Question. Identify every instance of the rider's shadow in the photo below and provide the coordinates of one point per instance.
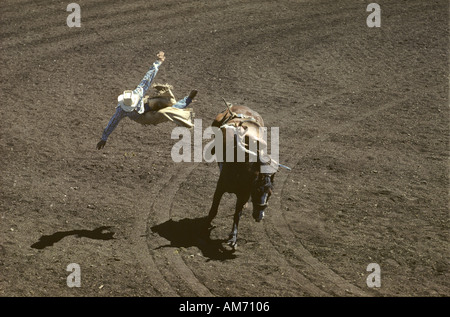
(96, 234)
(192, 233)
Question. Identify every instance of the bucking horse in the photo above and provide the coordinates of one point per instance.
(246, 178)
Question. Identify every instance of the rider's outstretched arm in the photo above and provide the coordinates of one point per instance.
(145, 83)
(113, 122)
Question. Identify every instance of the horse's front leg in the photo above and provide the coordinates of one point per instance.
(215, 204)
(232, 241)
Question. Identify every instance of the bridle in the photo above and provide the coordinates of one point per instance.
(264, 188)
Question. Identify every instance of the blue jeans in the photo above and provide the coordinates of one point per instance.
(183, 103)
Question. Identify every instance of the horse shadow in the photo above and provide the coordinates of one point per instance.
(193, 233)
(96, 234)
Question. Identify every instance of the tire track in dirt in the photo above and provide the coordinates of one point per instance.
(143, 252)
(160, 212)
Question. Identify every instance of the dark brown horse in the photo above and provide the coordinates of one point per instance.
(240, 127)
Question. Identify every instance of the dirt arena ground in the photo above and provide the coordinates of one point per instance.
(363, 116)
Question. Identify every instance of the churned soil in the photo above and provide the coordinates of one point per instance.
(363, 118)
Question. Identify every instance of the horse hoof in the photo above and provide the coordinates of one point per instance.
(232, 243)
(258, 216)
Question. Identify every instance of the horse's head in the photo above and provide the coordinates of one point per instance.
(263, 185)
(261, 192)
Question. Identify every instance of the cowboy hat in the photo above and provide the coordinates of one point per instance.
(128, 100)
